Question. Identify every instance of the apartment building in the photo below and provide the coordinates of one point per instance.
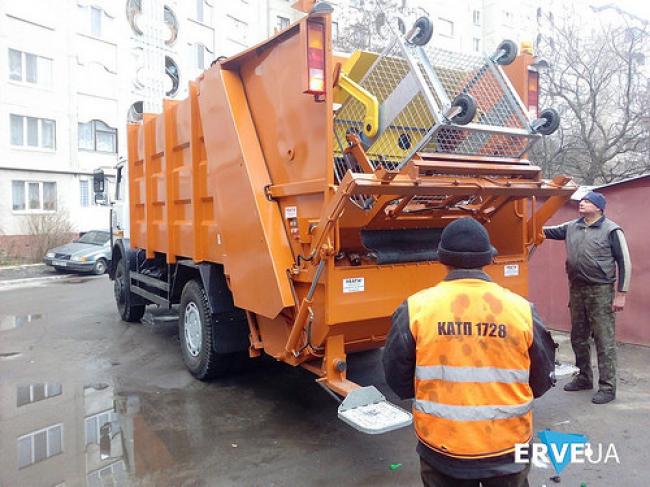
(73, 72)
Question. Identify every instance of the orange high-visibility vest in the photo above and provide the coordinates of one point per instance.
(472, 397)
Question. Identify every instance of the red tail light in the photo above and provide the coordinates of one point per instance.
(533, 93)
(315, 58)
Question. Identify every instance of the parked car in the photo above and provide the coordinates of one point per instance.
(89, 253)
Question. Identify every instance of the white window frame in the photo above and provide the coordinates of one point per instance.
(48, 454)
(41, 80)
(476, 44)
(41, 185)
(200, 11)
(97, 473)
(280, 20)
(89, 193)
(112, 416)
(39, 146)
(46, 391)
(94, 129)
(476, 17)
(91, 9)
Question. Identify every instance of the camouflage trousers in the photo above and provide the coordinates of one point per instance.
(592, 315)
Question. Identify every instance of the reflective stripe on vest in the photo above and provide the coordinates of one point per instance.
(472, 396)
(471, 413)
(471, 374)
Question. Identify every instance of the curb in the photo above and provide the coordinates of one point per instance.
(21, 266)
(29, 281)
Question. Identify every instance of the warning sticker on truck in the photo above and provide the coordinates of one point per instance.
(291, 212)
(510, 270)
(354, 284)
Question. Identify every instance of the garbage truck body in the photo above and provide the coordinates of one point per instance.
(296, 198)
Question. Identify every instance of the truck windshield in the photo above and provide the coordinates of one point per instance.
(95, 238)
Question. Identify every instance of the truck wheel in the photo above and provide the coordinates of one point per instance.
(100, 267)
(195, 334)
(121, 289)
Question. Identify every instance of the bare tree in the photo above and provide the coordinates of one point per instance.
(366, 24)
(47, 230)
(596, 80)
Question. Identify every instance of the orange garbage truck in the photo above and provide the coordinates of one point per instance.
(296, 197)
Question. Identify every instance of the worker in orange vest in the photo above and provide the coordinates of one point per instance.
(473, 355)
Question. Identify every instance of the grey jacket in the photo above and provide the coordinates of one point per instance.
(594, 251)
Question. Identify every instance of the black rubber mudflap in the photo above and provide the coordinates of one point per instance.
(405, 245)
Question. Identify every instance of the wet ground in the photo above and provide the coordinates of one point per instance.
(86, 399)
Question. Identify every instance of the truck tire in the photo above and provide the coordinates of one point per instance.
(195, 335)
(121, 289)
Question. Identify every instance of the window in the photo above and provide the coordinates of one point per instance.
(94, 424)
(84, 195)
(97, 136)
(32, 132)
(30, 393)
(446, 27)
(281, 23)
(335, 31)
(33, 196)
(30, 68)
(39, 445)
(113, 474)
(96, 21)
(200, 10)
(200, 56)
(476, 17)
(476, 44)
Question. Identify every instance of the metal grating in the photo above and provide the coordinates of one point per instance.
(415, 87)
(405, 117)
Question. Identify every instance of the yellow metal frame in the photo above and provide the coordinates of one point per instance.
(369, 101)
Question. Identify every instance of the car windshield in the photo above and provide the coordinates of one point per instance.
(94, 238)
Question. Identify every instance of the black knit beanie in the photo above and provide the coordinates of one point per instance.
(465, 243)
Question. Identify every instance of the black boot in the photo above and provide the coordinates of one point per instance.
(603, 397)
(578, 384)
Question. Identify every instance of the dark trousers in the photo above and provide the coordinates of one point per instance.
(434, 478)
(591, 314)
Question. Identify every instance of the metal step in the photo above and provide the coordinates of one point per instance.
(367, 410)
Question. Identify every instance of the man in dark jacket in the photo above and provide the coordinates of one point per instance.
(595, 247)
(473, 355)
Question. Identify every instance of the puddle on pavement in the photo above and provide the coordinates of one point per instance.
(9, 322)
(103, 438)
(158, 437)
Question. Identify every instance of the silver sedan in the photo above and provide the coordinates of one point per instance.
(89, 253)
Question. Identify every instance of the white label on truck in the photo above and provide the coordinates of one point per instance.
(510, 270)
(291, 212)
(354, 284)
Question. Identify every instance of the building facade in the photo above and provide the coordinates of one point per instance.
(70, 81)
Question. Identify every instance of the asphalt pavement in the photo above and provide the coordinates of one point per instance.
(87, 399)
